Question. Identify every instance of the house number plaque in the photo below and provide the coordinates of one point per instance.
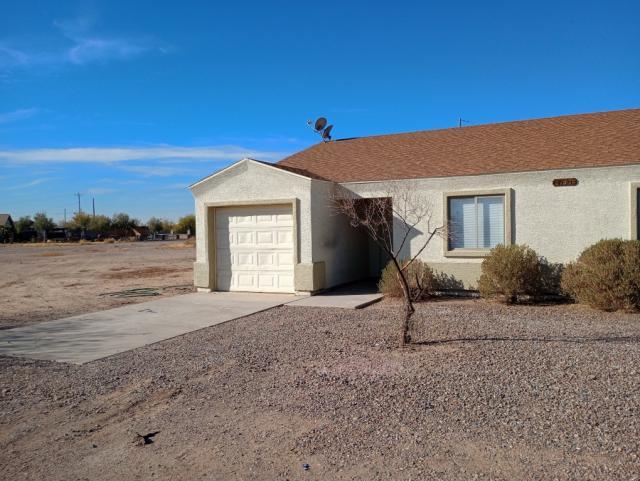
(570, 182)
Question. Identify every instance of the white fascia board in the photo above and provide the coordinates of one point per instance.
(245, 160)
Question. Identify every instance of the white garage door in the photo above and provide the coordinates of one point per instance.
(254, 248)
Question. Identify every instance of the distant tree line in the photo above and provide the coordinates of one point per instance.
(185, 225)
(102, 224)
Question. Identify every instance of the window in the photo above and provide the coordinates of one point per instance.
(476, 222)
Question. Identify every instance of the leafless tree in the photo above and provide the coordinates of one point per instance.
(401, 206)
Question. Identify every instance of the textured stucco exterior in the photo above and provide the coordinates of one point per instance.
(558, 222)
(248, 183)
(343, 249)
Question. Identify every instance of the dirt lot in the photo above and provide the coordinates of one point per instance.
(49, 281)
(506, 393)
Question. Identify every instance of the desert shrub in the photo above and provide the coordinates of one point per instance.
(448, 282)
(606, 276)
(510, 271)
(550, 277)
(420, 277)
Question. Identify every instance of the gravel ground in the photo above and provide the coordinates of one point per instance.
(40, 282)
(527, 392)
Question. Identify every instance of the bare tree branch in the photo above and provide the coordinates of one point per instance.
(404, 206)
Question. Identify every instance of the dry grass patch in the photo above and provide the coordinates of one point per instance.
(51, 254)
(188, 244)
(144, 272)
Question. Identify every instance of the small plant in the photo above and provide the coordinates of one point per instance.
(606, 276)
(420, 277)
(510, 271)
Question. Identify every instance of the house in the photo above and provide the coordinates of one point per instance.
(557, 184)
(7, 228)
(141, 232)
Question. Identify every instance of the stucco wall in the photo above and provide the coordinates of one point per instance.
(245, 183)
(343, 249)
(558, 222)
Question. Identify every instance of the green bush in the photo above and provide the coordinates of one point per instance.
(606, 276)
(420, 277)
(510, 271)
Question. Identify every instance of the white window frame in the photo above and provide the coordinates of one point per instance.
(634, 219)
(465, 252)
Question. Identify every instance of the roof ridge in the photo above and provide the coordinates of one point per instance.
(468, 127)
(610, 138)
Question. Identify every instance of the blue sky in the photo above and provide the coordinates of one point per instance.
(129, 102)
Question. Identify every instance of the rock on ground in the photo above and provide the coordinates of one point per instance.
(489, 392)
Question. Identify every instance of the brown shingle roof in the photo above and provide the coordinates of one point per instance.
(4, 219)
(573, 141)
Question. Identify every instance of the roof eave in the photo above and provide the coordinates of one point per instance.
(236, 164)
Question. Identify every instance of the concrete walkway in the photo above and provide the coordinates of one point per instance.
(88, 337)
(350, 296)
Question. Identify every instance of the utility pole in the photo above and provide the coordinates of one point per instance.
(462, 121)
(79, 207)
(65, 217)
(93, 201)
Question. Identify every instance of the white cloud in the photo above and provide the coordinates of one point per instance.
(84, 51)
(156, 171)
(110, 155)
(16, 115)
(85, 47)
(32, 183)
(10, 55)
(89, 50)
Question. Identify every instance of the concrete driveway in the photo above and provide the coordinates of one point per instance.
(88, 337)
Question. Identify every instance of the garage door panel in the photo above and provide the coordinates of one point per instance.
(265, 219)
(265, 238)
(246, 238)
(266, 260)
(245, 260)
(254, 250)
(284, 238)
(240, 220)
(285, 282)
(246, 281)
(267, 281)
(285, 220)
(285, 259)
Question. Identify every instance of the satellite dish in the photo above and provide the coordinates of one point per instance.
(321, 123)
(326, 133)
(321, 128)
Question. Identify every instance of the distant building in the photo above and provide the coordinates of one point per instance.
(7, 228)
(141, 233)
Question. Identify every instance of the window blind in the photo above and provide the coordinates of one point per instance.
(464, 232)
(476, 222)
